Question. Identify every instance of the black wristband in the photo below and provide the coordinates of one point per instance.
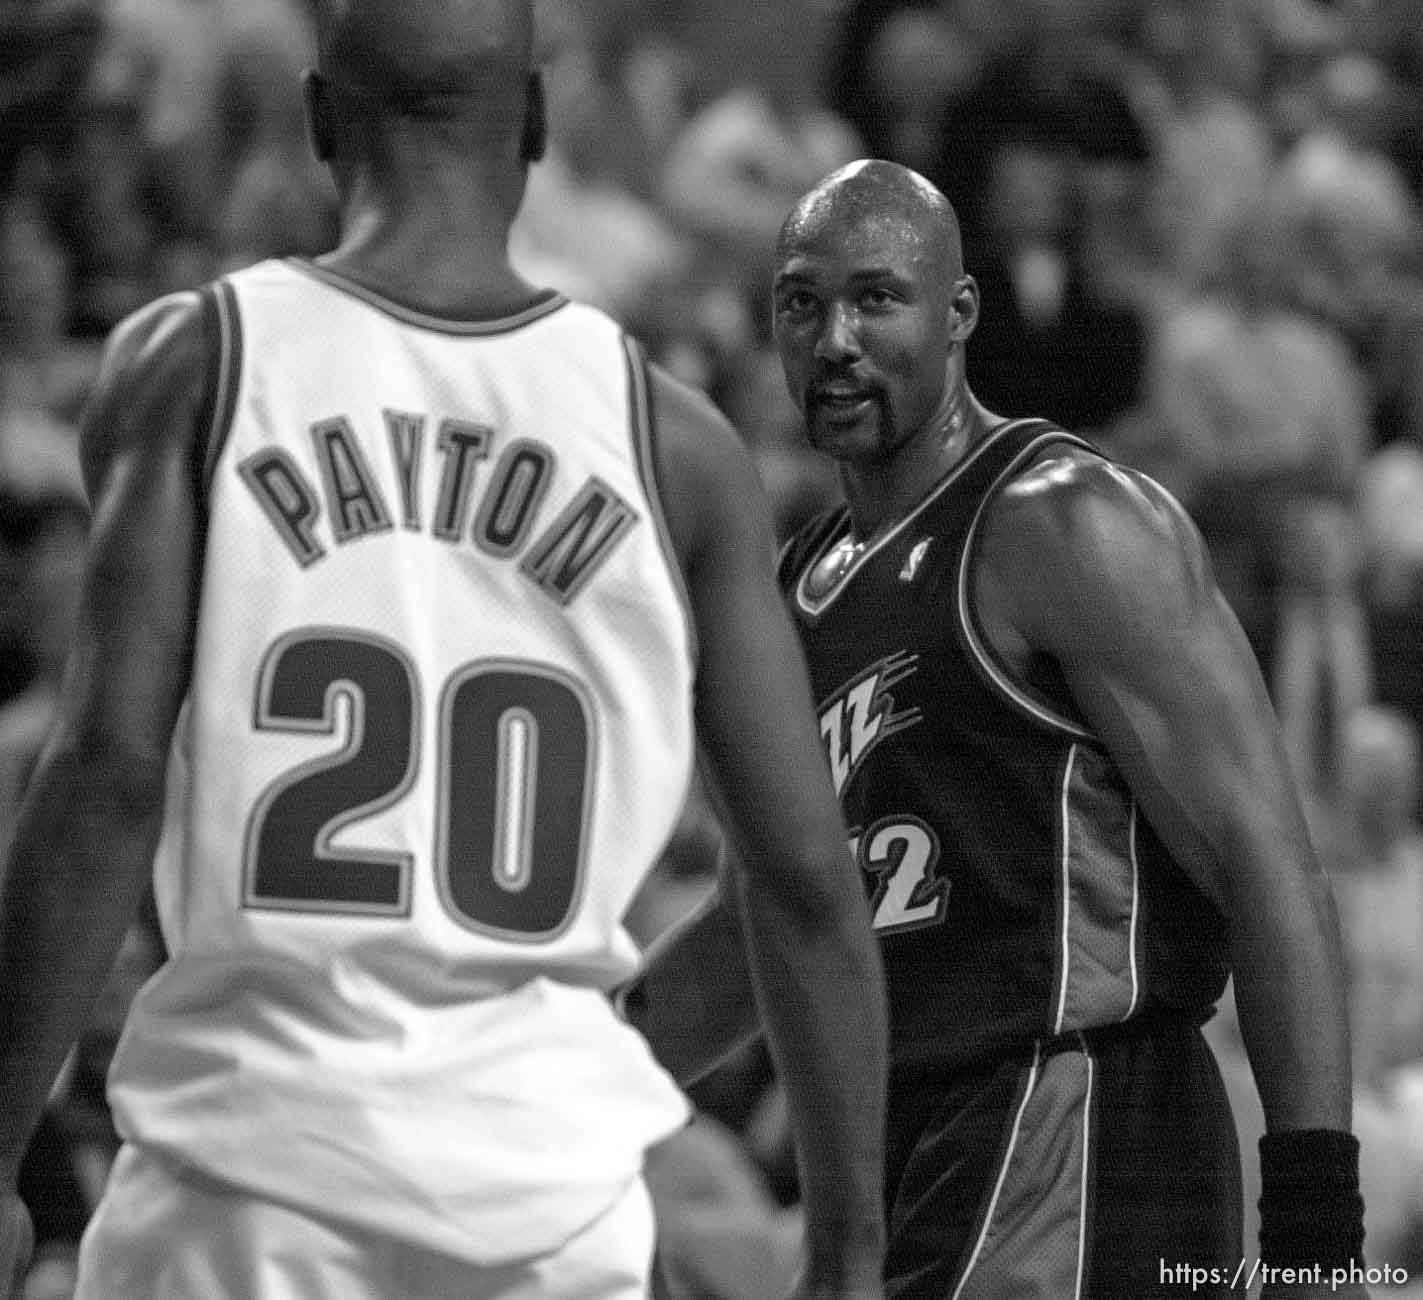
(1311, 1211)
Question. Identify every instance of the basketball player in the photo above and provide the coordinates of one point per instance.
(412, 592)
(1068, 798)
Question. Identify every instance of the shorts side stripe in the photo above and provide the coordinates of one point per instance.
(1002, 1176)
(1086, 1167)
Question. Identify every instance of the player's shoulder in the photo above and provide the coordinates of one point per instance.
(151, 377)
(1071, 491)
(700, 453)
(1074, 522)
(163, 334)
(710, 489)
(686, 415)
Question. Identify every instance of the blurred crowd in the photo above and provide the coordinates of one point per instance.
(1196, 225)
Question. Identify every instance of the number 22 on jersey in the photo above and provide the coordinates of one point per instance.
(902, 853)
(514, 749)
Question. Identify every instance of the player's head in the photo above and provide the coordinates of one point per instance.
(871, 306)
(456, 71)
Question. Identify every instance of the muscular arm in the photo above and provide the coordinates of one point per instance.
(87, 832)
(1100, 569)
(814, 965)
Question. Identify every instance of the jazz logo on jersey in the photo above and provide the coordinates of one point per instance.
(861, 714)
(559, 560)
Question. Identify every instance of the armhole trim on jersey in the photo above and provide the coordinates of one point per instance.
(222, 328)
(643, 421)
(1015, 693)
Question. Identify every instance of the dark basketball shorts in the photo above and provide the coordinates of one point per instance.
(1083, 1169)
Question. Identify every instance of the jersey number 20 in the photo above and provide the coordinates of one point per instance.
(514, 750)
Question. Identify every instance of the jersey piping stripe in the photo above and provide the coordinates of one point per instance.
(214, 356)
(1002, 1178)
(644, 456)
(1135, 912)
(1086, 1166)
(1065, 877)
(1015, 694)
(818, 607)
(228, 379)
(1097, 896)
(544, 303)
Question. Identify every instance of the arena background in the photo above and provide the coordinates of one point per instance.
(1196, 224)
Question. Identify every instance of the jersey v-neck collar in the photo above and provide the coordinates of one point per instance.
(817, 605)
(539, 304)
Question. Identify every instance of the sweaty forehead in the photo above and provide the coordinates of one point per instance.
(863, 238)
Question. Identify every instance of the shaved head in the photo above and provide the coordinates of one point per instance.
(871, 311)
(422, 55)
(885, 201)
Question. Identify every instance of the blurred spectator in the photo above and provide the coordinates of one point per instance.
(1376, 868)
(740, 162)
(42, 505)
(1196, 224)
(104, 210)
(1038, 143)
(1353, 227)
(191, 154)
(1257, 418)
(1391, 528)
(589, 225)
(46, 47)
(42, 528)
(1392, 32)
(1047, 339)
(276, 200)
(721, 1235)
(896, 65)
(1374, 851)
(1024, 118)
(1053, 84)
(1193, 65)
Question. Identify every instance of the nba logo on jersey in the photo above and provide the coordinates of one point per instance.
(915, 558)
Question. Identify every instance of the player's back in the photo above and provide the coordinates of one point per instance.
(440, 727)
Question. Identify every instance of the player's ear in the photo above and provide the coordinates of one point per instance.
(535, 138)
(316, 102)
(963, 308)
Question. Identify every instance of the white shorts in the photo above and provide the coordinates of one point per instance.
(161, 1233)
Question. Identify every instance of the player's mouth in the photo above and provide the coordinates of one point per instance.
(842, 402)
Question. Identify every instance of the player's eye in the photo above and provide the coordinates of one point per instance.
(798, 303)
(877, 299)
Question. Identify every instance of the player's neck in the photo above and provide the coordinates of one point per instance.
(881, 494)
(446, 260)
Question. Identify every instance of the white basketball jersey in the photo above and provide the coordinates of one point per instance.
(439, 728)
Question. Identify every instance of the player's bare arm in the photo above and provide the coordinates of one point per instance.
(1104, 573)
(1111, 580)
(813, 961)
(81, 855)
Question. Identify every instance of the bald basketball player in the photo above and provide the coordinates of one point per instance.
(1071, 809)
(412, 592)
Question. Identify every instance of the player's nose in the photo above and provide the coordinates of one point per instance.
(839, 338)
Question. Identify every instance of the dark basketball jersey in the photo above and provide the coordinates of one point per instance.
(1018, 891)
